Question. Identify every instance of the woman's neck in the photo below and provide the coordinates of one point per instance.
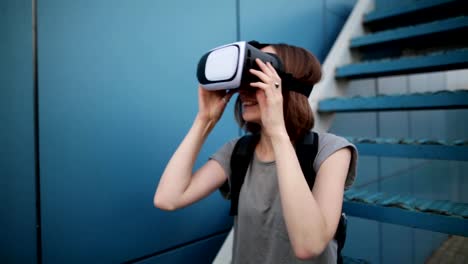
(264, 149)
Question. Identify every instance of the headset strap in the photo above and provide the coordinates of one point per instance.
(288, 80)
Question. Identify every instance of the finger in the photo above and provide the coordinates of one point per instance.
(269, 87)
(228, 96)
(260, 85)
(261, 99)
(264, 87)
(275, 79)
(263, 67)
(273, 70)
(261, 75)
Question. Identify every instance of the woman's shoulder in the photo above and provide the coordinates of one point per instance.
(329, 143)
(227, 148)
(232, 142)
(326, 138)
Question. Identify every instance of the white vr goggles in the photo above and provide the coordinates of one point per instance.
(227, 67)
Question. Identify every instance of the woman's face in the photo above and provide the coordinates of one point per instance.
(250, 107)
(247, 95)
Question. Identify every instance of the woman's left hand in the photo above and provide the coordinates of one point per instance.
(270, 99)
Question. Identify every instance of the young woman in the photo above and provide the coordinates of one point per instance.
(280, 219)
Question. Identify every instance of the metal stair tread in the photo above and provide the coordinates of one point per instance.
(432, 149)
(446, 60)
(457, 99)
(349, 260)
(442, 207)
(408, 141)
(435, 215)
(410, 31)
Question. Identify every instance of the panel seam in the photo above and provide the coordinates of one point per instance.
(160, 252)
(36, 133)
(238, 33)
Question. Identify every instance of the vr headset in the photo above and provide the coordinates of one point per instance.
(227, 67)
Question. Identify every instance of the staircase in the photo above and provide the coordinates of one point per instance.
(421, 36)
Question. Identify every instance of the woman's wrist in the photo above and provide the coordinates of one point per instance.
(279, 137)
(205, 124)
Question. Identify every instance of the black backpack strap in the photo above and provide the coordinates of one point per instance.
(241, 157)
(306, 151)
(340, 236)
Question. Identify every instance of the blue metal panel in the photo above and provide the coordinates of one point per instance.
(439, 61)
(425, 244)
(433, 180)
(428, 221)
(414, 151)
(334, 20)
(412, 32)
(396, 239)
(425, 101)
(203, 251)
(117, 94)
(17, 164)
(300, 24)
(362, 239)
(341, 8)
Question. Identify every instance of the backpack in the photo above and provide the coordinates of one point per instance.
(306, 150)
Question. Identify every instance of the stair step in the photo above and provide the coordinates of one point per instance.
(449, 60)
(437, 30)
(412, 148)
(414, 13)
(434, 215)
(417, 101)
(349, 260)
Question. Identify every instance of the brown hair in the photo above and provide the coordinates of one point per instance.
(298, 115)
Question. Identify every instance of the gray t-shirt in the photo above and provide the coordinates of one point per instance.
(260, 234)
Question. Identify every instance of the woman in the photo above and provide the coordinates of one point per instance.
(280, 219)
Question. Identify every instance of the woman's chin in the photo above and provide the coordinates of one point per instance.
(251, 118)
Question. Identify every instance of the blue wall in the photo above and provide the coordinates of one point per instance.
(313, 25)
(17, 177)
(117, 93)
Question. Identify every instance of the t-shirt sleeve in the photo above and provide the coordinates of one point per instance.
(223, 157)
(329, 144)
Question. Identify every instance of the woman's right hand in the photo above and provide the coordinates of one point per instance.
(211, 104)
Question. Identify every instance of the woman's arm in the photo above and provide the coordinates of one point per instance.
(311, 217)
(178, 187)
